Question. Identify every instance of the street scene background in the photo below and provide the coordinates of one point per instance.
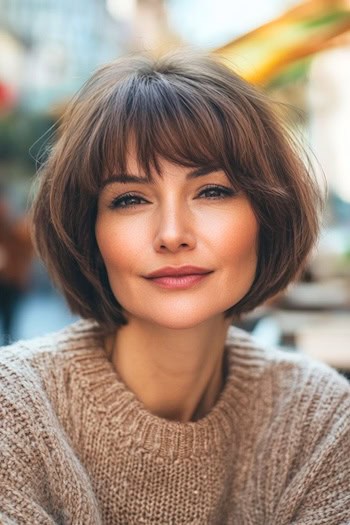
(299, 52)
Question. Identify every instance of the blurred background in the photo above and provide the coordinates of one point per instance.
(299, 52)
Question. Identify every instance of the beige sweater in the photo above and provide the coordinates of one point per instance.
(77, 447)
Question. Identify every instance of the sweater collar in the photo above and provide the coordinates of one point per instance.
(220, 428)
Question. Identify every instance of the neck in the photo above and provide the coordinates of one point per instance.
(176, 374)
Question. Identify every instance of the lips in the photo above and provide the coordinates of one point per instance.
(173, 271)
(180, 278)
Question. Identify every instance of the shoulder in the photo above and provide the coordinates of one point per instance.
(33, 380)
(32, 370)
(284, 365)
(37, 353)
(297, 431)
(39, 469)
(293, 383)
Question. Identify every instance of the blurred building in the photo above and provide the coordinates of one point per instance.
(289, 47)
(61, 43)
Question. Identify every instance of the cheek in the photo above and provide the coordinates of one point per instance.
(244, 247)
(119, 246)
(237, 241)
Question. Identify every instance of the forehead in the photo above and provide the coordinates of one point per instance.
(168, 169)
(162, 127)
(135, 166)
(161, 166)
(149, 125)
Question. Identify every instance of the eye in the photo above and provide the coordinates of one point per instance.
(217, 192)
(128, 200)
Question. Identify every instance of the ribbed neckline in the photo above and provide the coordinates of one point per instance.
(94, 373)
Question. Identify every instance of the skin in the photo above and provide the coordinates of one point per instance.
(171, 353)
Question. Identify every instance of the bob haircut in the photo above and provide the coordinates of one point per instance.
(191, 110)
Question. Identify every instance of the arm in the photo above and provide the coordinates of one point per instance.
(320, 491)
(41, 479)
(22, 471)
(20, 509)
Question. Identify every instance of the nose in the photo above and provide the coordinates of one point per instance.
(174, 229)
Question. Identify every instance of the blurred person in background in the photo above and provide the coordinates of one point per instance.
(172, 203)
(15, 264)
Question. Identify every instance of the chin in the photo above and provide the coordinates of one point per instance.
(179, 324)
(175, 320)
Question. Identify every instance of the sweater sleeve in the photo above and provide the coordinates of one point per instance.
(41, 479)
(319, 492)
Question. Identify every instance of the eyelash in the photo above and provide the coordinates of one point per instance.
(225, 193)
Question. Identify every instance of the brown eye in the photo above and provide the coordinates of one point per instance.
(128, 200)
(216, 192)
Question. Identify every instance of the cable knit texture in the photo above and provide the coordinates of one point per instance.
(77, 447)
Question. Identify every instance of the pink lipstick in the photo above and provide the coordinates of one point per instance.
(181, 277)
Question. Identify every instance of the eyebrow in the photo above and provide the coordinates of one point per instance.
(125, 178)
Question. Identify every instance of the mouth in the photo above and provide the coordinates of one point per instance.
(178, 277)
(180, 271)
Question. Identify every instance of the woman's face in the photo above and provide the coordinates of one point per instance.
(184, 218)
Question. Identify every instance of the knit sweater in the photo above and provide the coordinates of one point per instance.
(78, 447)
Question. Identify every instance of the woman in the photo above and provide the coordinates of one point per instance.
(172, 203)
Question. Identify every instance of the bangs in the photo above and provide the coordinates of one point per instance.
(161, 117)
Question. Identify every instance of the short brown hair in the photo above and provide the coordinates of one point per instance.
(191, 110)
